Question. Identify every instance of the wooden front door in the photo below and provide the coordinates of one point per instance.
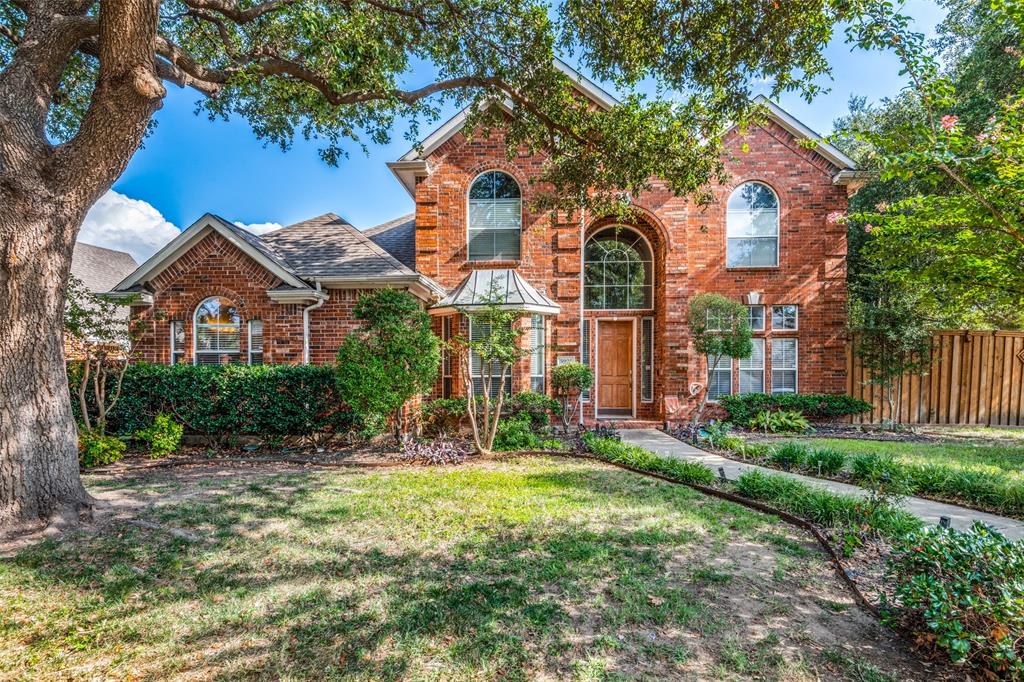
(615, 367)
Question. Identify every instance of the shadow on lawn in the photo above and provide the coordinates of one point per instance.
(300, 577)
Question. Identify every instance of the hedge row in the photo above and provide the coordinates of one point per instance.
(229, 400)
(744, 407)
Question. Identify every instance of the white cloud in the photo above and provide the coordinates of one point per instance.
(259, 228)
(126, 224)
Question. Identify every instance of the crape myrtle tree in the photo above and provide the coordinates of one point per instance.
(719, 329)
(80, 81)
(391, 358)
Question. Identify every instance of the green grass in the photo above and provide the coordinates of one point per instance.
(1008, 459)
(504, 571)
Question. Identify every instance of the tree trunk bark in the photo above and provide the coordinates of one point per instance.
(39, 477)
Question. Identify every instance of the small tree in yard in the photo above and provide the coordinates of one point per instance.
(492, 353)
(393, 357)
(100, 333)
(719, 328)
(569, 381)
(892, 339)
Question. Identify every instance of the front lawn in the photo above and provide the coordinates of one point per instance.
(526, 569)
(1008, 458)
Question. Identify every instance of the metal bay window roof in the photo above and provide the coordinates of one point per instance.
(510, 290)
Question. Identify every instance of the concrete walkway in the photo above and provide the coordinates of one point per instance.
(927, 510)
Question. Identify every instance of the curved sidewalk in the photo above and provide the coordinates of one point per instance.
(926, 510)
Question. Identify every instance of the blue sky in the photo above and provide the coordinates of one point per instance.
(191, 165)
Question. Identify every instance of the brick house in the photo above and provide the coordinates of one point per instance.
(610, 294)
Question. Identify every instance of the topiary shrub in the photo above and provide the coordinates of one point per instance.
(163, 436)
(569, 381)
(962, 593)
(96, 449)
(745, 406)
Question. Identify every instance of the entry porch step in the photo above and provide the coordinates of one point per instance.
(624, 423)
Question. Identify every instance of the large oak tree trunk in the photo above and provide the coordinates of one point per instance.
(45, 192)
(38, 444)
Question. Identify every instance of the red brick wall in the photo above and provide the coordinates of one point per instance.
(215, 267)
(689, 252)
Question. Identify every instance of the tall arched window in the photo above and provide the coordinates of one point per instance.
(752, 227)
(495, 217)
(618, 271)
(218, 330)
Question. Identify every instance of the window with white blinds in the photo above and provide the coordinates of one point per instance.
(446, 357)
(495, 217)
(255, 342)
(177, 341)
(647, 360)
(784, 365)
(719, 377)
(478, 332)
(752, 227)
(752, 369)
(537, 349)
(218, 331)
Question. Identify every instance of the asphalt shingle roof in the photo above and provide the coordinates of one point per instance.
(328, 246)
(100, 269)
(397, 237)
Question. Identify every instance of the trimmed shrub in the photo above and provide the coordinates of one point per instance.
(223, 401)
(638, 458)
(830, 461)
(163, 436)
(790, 455)
(962, 592)
(744, 407)
(95, 449)
(443, 416)
(536, 407)
(516, 433)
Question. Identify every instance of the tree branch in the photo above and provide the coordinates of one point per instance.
(231, 10)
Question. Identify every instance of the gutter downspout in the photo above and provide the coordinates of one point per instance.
(305, 325)
(583, 320)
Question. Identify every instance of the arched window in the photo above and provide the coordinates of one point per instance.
(218, 330)
(752, 227)
(495, 217)
(618, 270)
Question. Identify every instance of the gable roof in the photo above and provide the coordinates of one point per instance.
(325, 249)
(412, 164)
(397, 237)
(100, 268)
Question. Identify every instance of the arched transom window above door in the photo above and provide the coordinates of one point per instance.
(752, 227)
(618, 271)
(495, 217)
(218, 329)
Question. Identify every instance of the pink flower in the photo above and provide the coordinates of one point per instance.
(949, 122)
(869, 228)
(882, 206)
(982, 137)
(835, 217)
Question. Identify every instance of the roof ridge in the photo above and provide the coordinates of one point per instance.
(394, 222)
(379, 250)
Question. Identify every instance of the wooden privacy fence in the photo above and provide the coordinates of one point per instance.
(973, 378)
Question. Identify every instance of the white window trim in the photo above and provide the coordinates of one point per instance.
(654, 271)
(585, 353)
(644, 370)
(720, 369)
(446, 357)
(764, 320)
(796, 317)
(534, 354)
(248, 341)
(174, 343)
(778, 229)
(795, 369)
(469, 189)
(195, 332)
(764, 363)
